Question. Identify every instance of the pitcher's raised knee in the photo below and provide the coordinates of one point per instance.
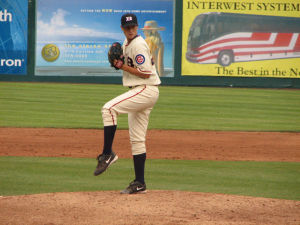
(109, 116)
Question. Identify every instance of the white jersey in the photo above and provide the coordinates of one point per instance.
(137, 55)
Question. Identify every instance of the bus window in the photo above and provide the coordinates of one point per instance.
(195, 34)
(211, 25)
(209, 29)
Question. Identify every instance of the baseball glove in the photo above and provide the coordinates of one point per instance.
(115, 55)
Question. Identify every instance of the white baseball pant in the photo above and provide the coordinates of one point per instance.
(138, 103)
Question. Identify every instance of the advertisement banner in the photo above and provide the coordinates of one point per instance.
(249, 38)
(13, 36)
(73, 37)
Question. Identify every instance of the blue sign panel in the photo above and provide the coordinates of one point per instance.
(13, 36)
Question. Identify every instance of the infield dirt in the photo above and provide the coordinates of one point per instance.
(155, 207)
(161, 144)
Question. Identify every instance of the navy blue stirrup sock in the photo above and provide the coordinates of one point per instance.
(109, 134)
(139, 167)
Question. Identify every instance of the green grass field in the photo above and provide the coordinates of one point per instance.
(27, 175)
(197, 108)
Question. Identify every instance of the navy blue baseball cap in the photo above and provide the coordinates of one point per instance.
(129, 19)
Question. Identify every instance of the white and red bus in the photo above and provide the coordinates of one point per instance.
(225, 38)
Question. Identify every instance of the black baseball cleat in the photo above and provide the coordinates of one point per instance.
(104, 161)
(135, 187)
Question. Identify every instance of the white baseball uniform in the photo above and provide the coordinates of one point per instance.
(140, 99)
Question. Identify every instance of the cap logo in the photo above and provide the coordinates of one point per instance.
(128, 18)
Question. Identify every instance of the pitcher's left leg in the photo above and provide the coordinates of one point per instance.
(138, 123)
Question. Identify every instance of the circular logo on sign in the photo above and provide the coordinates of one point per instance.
(50, 52)
(140, 59)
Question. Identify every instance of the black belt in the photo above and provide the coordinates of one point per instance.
(130, 87)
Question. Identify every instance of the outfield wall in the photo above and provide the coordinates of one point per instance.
(82, 58)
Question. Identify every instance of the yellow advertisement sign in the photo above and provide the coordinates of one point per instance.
(249, 38)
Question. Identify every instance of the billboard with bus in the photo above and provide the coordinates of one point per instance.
(236, 43)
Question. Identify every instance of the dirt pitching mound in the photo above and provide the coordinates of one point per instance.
(155, 207)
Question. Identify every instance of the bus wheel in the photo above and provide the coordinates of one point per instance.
(225, 58)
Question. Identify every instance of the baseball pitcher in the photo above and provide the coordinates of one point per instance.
(140, 76)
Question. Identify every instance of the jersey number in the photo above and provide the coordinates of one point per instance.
(130, 62)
